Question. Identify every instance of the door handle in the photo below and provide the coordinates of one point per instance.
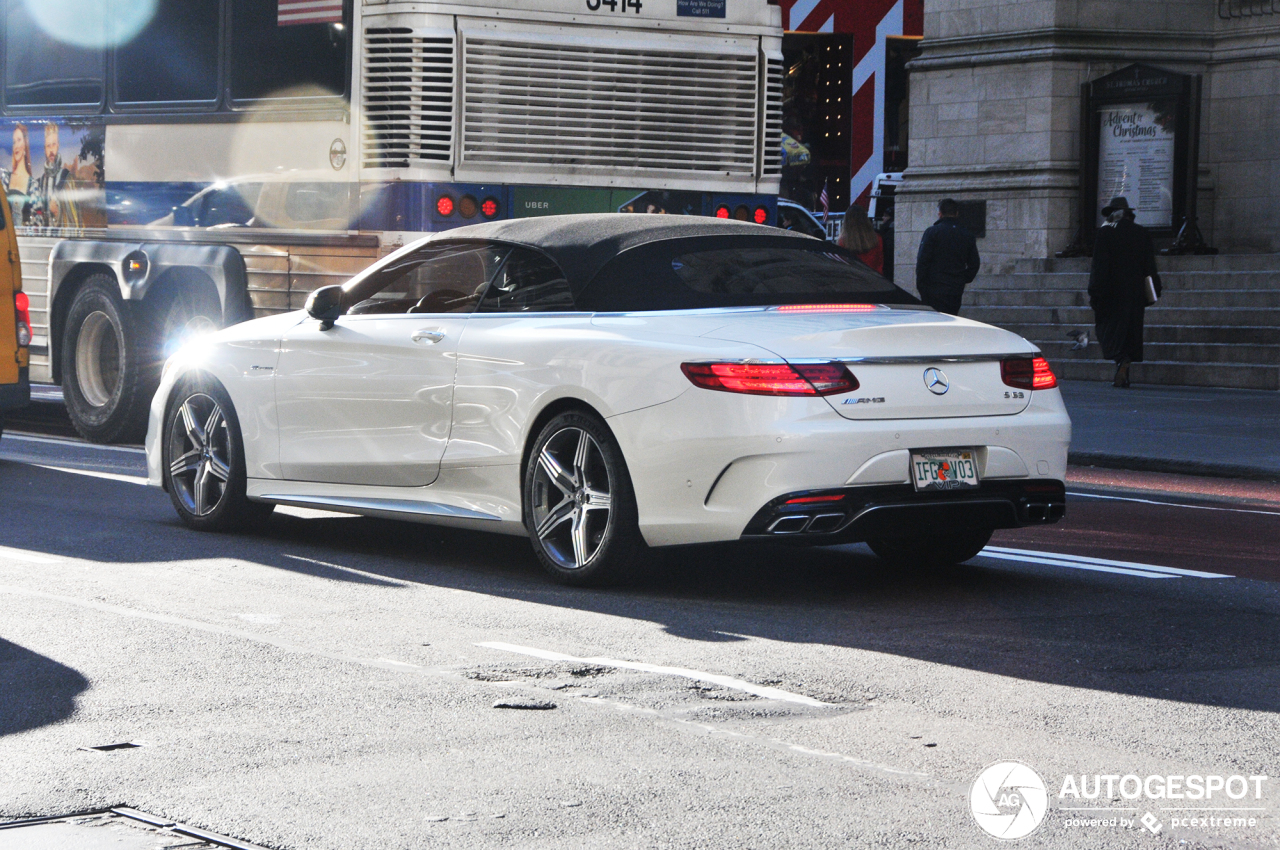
(427, 335)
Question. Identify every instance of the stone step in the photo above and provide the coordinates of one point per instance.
(1171, 298)
(1267, 281)
(1081, 316)
(1171, 352)
(1232, 375)
(1219, 262)
(1195, 334)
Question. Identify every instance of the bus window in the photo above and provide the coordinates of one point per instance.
(40, 70)
(174, 59)
(319, 204)
(270, 60)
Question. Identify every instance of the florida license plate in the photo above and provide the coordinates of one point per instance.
(944, 470)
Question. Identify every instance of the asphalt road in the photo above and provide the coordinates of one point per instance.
(331, 682)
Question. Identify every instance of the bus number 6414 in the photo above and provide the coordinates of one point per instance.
(614, 5)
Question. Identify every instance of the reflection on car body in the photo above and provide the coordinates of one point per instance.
(608, 383)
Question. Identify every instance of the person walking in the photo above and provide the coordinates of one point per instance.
(1123, 259)
(947, 261)
(859, 238)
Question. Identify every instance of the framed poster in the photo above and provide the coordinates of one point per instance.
(1141, 127)
(1136, 159)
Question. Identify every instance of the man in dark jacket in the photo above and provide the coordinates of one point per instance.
(947, 262)
(1123, 258)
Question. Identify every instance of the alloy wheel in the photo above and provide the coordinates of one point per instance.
(572, 506)
(199, 454)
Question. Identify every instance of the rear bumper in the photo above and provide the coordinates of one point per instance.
(13, 396)
(855, 514)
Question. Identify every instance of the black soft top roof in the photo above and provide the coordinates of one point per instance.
(581, 244)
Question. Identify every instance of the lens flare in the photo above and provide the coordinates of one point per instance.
(92, 23)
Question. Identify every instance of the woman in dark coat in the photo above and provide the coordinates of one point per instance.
(1123, 258)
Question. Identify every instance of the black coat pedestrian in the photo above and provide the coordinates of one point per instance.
(1123, 258)
(948, 261)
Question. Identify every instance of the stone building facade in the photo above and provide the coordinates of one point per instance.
(996, 112)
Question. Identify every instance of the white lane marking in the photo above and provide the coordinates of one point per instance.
(697, 675)
(1100, 564)
(1171, 504)
(66, 441)
(24, 555)
(1029, 559)
(346, 569)
(110, 476)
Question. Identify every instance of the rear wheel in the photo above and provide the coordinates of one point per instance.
(931, 550)
(579, 507)
(203, 457)
(106, 379)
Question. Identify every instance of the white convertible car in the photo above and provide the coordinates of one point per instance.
(604, 384)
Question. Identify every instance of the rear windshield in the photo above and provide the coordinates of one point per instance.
(734, 271)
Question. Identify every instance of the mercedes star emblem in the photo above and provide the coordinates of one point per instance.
(936, 381)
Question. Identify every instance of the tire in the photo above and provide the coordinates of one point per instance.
(202, 454)
(579, 506)
(931, 550)
(108, 369)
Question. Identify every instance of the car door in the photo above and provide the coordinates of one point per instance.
(369, 401)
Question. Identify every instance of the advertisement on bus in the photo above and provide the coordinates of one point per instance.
(53, 174)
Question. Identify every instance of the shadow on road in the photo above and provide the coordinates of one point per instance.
(1196, 641)
(34, 691)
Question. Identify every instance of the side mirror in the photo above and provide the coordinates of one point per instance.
(184, 217)
(325, 304)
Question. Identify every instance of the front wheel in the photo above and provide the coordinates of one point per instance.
(579, 507)
(931, 550)
(203, 457)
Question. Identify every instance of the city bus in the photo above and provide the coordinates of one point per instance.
(174, 166)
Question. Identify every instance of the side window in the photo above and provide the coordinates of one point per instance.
(448, 279)
(231, 206)
(528, 283)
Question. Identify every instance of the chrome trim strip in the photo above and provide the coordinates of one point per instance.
(944, 358)
(391, 506)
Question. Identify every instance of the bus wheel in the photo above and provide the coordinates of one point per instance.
(105, 374)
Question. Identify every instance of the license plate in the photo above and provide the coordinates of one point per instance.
(944, 470)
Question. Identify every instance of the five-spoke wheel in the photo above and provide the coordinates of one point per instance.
(579, 507)
(203, 459)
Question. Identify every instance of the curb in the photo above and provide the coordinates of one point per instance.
(1139, 463)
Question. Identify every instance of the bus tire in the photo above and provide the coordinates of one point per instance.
(107, 378)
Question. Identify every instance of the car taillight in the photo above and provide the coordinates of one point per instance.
(1028, 373)
(772, 378)
(22, 307)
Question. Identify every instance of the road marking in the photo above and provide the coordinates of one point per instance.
(697, 675)
(361, 573)
(1171, 504)
(67, 441)
(1102, 565)
(110, 476)
(24, 555)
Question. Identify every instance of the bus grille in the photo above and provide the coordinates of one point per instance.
(407, 97)
(773, 119)
(583, 106)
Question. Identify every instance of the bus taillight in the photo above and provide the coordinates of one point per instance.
(468, 206)
(761, 215)
(444, 205)
(489, 207)
(722, 212)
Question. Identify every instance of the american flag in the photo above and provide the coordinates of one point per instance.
(826, 203)
(290, 12)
